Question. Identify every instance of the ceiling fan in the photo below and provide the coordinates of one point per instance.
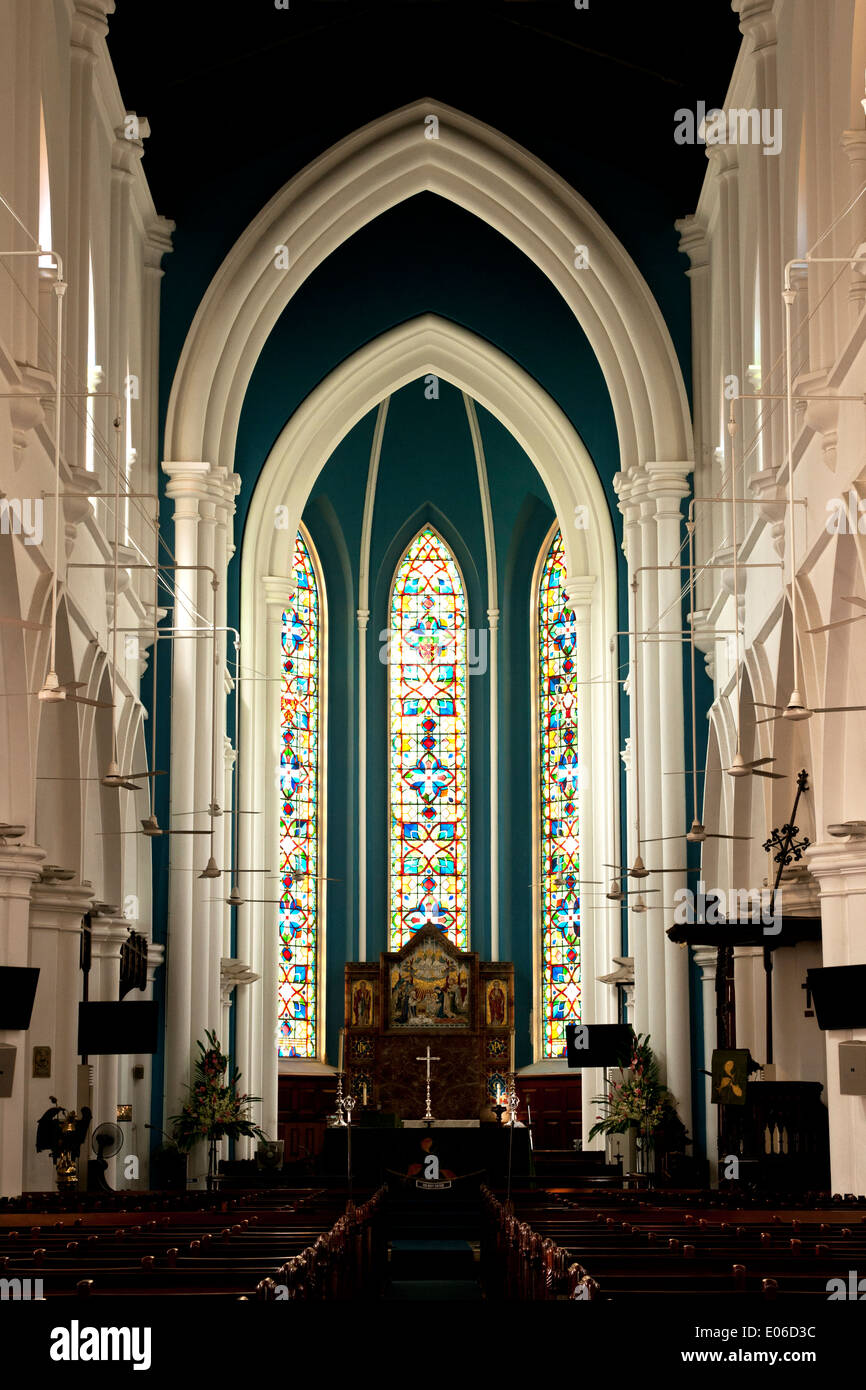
(53, 692)
(616, 893)
(113, 778)
(639, 869)
(697, 834)
(216, 810)
(25, 623)
(151, 828)
(235, 899)
(796, 710)
(843, 622)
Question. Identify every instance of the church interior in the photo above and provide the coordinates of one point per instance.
(431, 826)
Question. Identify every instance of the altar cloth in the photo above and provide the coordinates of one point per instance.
(442, 1124)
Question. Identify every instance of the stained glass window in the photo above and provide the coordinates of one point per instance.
(299, 813)
(428, 759)
(559, 829)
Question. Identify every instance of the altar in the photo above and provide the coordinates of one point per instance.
(428, 996)
(466, 1155)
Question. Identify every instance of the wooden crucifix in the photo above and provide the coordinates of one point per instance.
(428, 1059)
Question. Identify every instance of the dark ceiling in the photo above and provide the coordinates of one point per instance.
(224, 85)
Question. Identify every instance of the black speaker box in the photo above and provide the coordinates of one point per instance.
(839, 995)
(608, 1045)
(118, 1028)
(17, 992)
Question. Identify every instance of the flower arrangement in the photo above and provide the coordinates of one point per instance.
(214, 1110)
(640, 1100)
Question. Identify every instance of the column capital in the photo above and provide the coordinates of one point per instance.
(579, 590)
(157, 242)
(493, 619)
(187, 480)
(89, 25)
(693, 242)
(279, 590)
(757, 21)
(155, 958)
(59, 906)
(854, 144)
(107, 935)
(707, 958)
(722, 159)
(668, 480)
(834, 861)
(20, 867)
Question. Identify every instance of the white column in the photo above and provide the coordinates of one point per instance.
(758, 23)
(705, 957)
(186, 486)
(19, 868)
(668, 485)
(650, 715)
(140, 1139)
(87, 32)
(854, 145)
(107, 936)
(493, 622)
(750, 1000)
(363, 616)
(56, 912)
(156, 244)
(628, 488)
(840, 868)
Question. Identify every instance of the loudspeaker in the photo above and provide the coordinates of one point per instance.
(852, 1068)
(17, 992)
(112, 1029)
(7, 1069)
(839, 995)
(606, 1044)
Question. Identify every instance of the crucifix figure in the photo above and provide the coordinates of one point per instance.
(428, 1059)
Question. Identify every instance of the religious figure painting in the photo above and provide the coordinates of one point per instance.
(362, 1004)
(429, 989)
(497, 1004)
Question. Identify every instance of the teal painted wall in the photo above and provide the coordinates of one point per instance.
(425, 255)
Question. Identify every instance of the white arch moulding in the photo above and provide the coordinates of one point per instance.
(481, 170)
(421, 346)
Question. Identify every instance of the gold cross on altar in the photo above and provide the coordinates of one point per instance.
(428, 1059)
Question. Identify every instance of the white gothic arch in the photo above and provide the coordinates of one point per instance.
(481, 170)
(423, 345)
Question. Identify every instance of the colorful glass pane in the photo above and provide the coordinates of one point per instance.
(560, 839)
(428, 763)
(299, 818)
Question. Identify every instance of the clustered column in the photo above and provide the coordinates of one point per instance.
(654, 493)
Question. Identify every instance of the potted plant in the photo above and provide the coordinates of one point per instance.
(214, 1110)
(639, 1101)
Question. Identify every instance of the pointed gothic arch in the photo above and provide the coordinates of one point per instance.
(481, 170)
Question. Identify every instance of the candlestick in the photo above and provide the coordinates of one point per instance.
(340, 1104)
(511, 1055)
(340, 1061)
(364, 1094)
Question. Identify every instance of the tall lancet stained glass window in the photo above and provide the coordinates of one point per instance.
(300, 771)
(559, 830)
(429, 836)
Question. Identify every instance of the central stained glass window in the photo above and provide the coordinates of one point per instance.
(299, 813)
(429, 833)
(558, 777)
